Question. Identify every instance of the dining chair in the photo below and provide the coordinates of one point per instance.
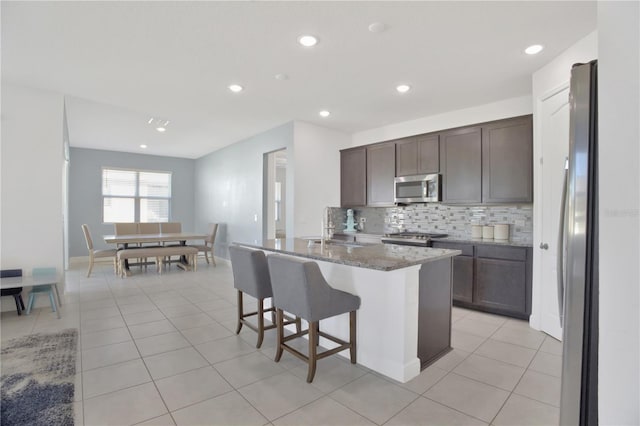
(15, 292)
(207, 247)
(125, 228)
(171, 227)
(48, 289)
(148, 228)
(96, 254)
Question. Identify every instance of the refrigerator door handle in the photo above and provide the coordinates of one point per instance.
(561, 261)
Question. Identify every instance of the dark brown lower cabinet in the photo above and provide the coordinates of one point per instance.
(492, 278)
(501, 285)
(463, 278)
(434, 311)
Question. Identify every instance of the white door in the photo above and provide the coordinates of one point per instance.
(554, 119)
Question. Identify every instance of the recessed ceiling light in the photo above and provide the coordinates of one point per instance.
(143, 146)
(307, 40)
(403, 88)
(236, 88)
(282, 77)
(161, 129)
(324, 113)
(533, 49)
(377, 27)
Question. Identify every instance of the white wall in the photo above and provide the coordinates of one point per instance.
(619, 156)
(316, 158)
(547, 79)
(494, 111)
(31, 223)
(229, 187)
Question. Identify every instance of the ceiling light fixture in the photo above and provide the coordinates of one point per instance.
(377, 27)
(282, 77)
(403, 88)
(235, 88)
(160, 124)
(324, 113)
(307, 40)
(143, 146)
(533, 49)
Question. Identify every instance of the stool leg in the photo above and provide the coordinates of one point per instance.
(55, 286)
(52, 299)
(21, 301)
(30, 302)
(15, 298)
(352, 336)
(313, 339)
(298, 325)
(280, 332)
(318, 333)
(240, 312)
(260, 322)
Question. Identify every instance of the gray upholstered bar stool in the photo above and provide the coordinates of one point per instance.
(251, 276)
(300, 289)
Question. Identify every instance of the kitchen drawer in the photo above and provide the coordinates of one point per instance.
(466, 249)
(499, 252)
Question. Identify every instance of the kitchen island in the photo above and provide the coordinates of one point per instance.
(404, 321)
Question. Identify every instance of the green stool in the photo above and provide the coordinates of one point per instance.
(49, 288)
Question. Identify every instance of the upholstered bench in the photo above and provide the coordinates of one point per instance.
(159, 253)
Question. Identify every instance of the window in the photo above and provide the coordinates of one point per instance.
(135, 196)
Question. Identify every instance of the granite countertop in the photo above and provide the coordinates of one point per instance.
(483, 241)
(382, 257)
(450, 239)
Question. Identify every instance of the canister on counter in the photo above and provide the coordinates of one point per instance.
(476, 231)
(501, 232)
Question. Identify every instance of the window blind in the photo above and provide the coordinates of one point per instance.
(135, 196)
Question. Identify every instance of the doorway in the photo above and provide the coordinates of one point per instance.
(275, 199)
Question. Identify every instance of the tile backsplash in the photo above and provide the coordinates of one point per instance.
(453, 220)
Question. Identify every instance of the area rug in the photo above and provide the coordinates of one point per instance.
(38, 377)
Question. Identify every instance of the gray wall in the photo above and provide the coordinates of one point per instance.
(85, 191)
(229, 187)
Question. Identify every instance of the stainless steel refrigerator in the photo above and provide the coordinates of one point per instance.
(578, 285)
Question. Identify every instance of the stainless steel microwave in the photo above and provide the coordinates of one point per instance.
(417, 189)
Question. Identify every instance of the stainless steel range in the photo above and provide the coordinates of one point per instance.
(420, 239)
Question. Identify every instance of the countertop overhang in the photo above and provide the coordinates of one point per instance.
(381, 257)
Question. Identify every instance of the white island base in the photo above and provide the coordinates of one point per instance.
(404, 320)
(387, 321)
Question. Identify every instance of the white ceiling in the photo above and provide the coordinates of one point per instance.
(120, 63)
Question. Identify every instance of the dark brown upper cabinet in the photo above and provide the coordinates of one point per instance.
(353, 177)
(507, 161)
(461, 165)
(418, 155)
(381, 171)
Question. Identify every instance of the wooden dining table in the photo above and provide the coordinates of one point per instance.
(124, 240)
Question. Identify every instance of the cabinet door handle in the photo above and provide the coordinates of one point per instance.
(544, 246)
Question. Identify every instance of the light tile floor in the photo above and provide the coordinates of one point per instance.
(162, 350)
